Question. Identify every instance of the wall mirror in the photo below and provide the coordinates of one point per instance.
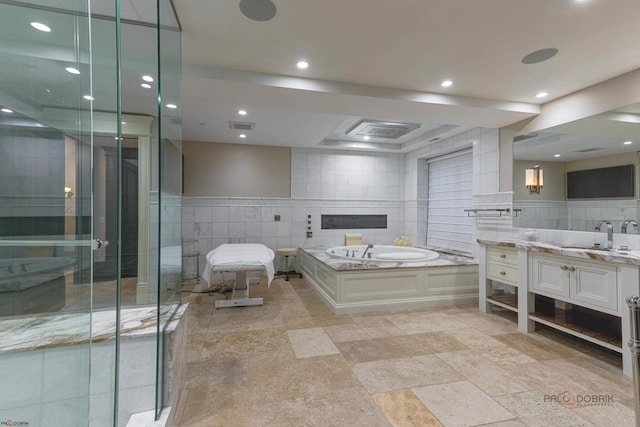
(572, 176)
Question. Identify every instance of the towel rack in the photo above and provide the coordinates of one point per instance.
(491, 212)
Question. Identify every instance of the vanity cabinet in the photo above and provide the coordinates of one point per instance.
(500, 286)
(580, 293)
(589, 284)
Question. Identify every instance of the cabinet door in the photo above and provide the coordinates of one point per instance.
(595, 284)
(550, 276)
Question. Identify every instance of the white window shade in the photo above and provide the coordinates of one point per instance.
(450, 190)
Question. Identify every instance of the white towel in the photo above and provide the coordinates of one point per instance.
(238, 257)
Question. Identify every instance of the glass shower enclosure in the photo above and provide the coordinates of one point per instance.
(90, 201)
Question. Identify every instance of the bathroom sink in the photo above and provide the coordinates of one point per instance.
(591, 248)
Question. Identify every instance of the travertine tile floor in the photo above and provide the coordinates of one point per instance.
(291, 362)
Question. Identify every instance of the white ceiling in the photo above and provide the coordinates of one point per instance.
(381, 59)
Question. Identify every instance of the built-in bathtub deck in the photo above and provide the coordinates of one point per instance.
(360, 286)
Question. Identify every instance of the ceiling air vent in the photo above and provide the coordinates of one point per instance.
(588, 150)
(242, 125)
(525, 136)
(384, 130)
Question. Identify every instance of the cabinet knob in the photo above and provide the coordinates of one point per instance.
(503, 256)
(572, 268)
(564, 267)
(503, 273)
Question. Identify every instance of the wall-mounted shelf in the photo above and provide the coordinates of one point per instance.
(491, 212)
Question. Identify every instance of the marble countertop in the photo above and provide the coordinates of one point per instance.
(55, 330)
(613, 255)
(446, 259)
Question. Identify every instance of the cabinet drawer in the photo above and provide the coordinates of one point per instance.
(507, 256)
(502, 273)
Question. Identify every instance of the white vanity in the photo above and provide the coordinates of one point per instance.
(578, 291)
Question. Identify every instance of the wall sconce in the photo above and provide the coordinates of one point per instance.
(67, 192)
(534, 179)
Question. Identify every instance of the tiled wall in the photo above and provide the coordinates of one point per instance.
(334, 174)
(336, 182)
(208, 222)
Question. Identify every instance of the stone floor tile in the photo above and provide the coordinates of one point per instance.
(372, 349)
(534, 410)
(461, 404)
(311, 342)
(486, 375)
(346, 332)
(398, 374)
(403, 409)
(429, 343)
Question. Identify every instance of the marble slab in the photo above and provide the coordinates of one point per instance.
(445, 259)
(614, 255)
(38, 332)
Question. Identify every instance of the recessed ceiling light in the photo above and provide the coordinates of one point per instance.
(145, 85)
(172, 106)
(242, 112)
(242, 135)
(72, 70)
(628, 142)
(88, 97)
(556, 155)
(446, 83)
(542, 94)
(124, 123)
(147, 78)
(366, 137)
(540, 55)
(6, 110)
(303, 65)
(41, 27)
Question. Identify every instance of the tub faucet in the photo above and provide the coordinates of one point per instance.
(369, 246)
(628, 222)
(609, 232)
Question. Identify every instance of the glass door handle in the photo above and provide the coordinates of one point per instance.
(99, 244)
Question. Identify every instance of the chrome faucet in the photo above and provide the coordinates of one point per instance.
(628, 222)
(369, 246)
(609, 232)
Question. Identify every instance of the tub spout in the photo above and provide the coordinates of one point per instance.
(369, 246)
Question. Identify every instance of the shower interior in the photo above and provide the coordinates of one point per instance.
(88, 156)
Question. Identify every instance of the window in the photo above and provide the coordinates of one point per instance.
(450, 191)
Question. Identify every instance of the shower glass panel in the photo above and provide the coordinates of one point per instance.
(46, 214)
(170, 181)
(86, 208)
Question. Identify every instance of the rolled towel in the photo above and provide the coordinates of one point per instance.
(352, 239)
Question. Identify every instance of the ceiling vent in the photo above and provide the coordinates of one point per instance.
(242, 125)
(383, 130)
(525, 136)
(588, 150)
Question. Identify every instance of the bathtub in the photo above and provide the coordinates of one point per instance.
(353, 285)
(382, 253)
(32, 285)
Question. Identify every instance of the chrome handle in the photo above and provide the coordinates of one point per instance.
(503, 256)
(503, 273)
(564, 267)
(99, 244)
